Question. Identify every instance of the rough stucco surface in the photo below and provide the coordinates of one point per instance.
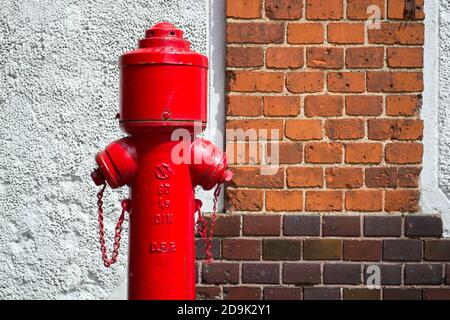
(444, 97)
(58, 99)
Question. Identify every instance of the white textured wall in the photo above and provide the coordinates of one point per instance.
(58, 99)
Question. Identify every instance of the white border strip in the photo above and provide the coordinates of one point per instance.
(215, 130)
(432, 199)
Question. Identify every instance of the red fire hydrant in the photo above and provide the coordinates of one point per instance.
(163, 88)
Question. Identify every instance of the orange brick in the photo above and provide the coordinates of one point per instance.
(364, 200)
(275, 106)
(304, 177)
(284, 9)
(254, 129)
(284, 200)
(394, 81)
(255, 32)
(325, 57)
(408, 177)
(245, 57)
(253, 81)
(305, 33)
(403, 105)
(343, 33)
(396, 9)
(284, 57)
(305, 82)
(324, 10)
(402, 200)
(345, 129)
(346, 82)
(289, 152)
(324, 106)
(243, 152)
(403, 153)
(393, 129)
(357, 9)
(251, 177)
(243, 9)
(323, 200)
(363, 153)
(364, 105)
(244, 200)
(405, 57)
(397, 33)
(344, 178)
(304, 129)
(364, 57)
(381, 177)
(244, 105)
(323, 152)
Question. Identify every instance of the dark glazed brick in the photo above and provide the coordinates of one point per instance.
(220, 273)
(282, 293)
(241, 293)
(322, 294)
(301, 273)
(196, 272)
(281, 249)
(383, 226)
(423, 274)
(390, 274)
(301, 225)
(423, 226)
(241, 249)
(262, 225)
(437, 250)
(200, 249)
(322, 249)
(402, 294)
(341, 273)
(362, 250)
(447, 274)
(362, 294)
(436, 294)
(343, 226)
(268, 273)
(402, 250)
(227, 225)
(208, 293)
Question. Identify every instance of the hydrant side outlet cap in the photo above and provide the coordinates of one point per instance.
(164, 44)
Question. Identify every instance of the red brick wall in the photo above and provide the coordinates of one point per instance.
(346, 101)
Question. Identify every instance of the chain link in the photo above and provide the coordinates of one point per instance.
(202, 225)
(118, 230)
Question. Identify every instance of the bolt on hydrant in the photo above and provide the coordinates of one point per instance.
(163, 89)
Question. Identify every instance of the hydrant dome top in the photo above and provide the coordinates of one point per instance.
(164, 44)
(164, 29)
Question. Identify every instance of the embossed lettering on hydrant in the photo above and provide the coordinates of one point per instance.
(163, 247)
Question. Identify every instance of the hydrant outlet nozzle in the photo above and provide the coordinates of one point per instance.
(227, 176)
(97, 177)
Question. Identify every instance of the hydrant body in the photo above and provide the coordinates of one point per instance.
(163, 88)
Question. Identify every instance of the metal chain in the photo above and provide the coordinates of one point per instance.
(202, 225)
(118, 230)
